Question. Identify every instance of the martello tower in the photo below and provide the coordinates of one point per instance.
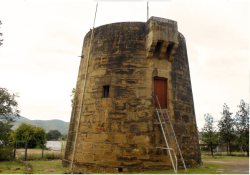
(130, 63)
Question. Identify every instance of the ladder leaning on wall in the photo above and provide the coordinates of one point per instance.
(169, 145)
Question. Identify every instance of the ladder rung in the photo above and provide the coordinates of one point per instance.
(164, 148)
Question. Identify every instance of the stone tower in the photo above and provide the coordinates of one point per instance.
(129, 63)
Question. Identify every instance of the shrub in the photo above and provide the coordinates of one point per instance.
(6, 152)
(204, 149)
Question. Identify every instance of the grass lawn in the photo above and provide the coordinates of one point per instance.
(218, 165)
(208, 153)
(47, 167)
(11, 167)
(221, 158)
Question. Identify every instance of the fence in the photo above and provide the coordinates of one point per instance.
(25, 150)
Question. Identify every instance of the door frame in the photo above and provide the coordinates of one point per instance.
(160, 78)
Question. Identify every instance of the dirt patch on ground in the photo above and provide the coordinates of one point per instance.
(50, 171)
(237, 166)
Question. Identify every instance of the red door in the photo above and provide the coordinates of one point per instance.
(160, 89)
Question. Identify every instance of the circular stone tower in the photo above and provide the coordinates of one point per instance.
(130, 63)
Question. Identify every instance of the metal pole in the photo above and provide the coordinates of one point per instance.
(147, 10)
(176, 141)
(26, 145)
(166, 140)
(79, 118)
(43, 149)
(15, 150)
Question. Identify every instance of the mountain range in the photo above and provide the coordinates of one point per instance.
(46, 124)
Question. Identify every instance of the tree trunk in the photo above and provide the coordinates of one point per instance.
(230, 150)
(212, 149)
(227, 149)
(247, 153)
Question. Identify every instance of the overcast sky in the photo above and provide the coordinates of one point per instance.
(42, 42)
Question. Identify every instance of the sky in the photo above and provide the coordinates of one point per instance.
(43, 39)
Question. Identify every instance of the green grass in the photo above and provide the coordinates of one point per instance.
(225, 158)
(205, 169)
(55, 167)
(224, 153)
(47, 167)
(11, 167)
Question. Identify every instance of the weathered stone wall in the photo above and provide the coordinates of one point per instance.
(119, 131)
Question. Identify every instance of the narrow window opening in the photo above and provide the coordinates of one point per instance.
(157, 49)
(105, 91)
(169, 50)
(120, 169)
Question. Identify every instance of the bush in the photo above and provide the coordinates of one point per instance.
(204, 149)
(6, 152)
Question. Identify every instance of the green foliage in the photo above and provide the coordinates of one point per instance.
(8, 106)
(5, 130)
(204, 149)
(209, 135)
(46, 124)
(8, 112)
(12, 167)
(25, 132)
(242, 126)
(53, 135)
(6, 152)
(226, 127)
(63, 137)
(72, 96)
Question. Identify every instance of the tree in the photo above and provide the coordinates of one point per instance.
(242, 125)
(72, 96)
(53, 135)
(209, 136)
(8, 112)
(226, 128)
(26, 132)
(8, 106)
(63, 137)
(6, 149)
(1, 40)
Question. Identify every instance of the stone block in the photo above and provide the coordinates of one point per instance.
(87, 158)
(116, 150)
(142, 139)
(105, 102)
(84, 127)
(97, 138)
(115, 127)
(99, 126)
(109, 170)
(116, 116)
(87, 145)
(120, 138)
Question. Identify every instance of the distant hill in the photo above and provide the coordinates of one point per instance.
(46, 124)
